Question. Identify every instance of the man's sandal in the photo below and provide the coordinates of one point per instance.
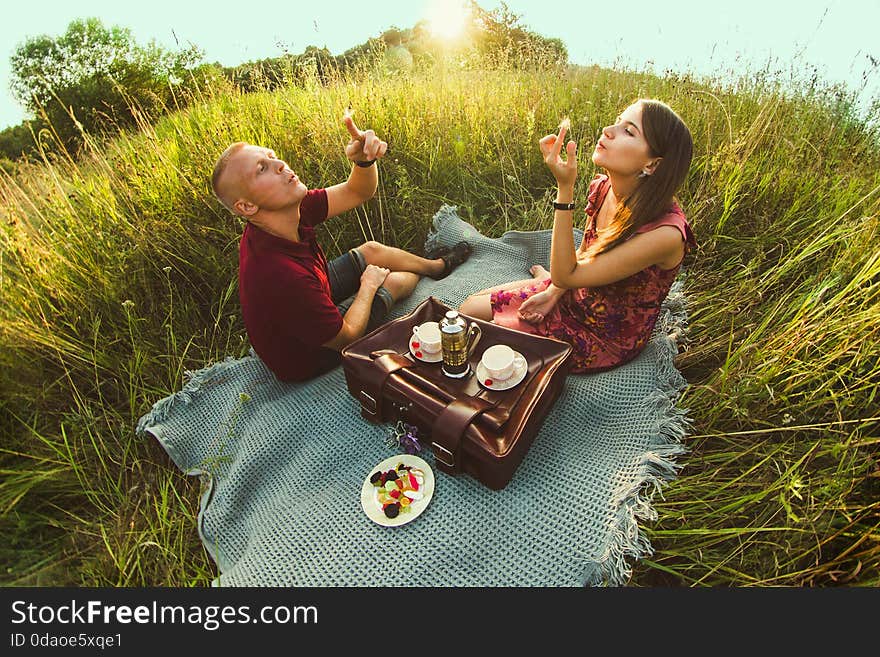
(452, 257)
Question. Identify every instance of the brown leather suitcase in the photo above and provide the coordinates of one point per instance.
(472, 429)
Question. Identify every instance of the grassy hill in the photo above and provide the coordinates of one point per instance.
(118, 274)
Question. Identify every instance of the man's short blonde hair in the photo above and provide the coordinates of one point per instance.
(222, 192)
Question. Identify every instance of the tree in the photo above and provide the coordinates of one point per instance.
(493, 39)
(501, 39)
(17, 141)
(96, 76)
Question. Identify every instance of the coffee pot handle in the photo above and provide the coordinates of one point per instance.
(473, 337)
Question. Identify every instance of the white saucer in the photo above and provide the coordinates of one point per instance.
(425, 358)
(519, 373)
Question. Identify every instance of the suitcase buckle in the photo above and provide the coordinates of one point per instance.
(368, 403)
(440, 448)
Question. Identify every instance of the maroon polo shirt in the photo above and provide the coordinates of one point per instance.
(285, 296)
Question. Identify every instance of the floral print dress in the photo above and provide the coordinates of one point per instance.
(607, 325)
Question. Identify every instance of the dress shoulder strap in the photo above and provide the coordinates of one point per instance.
(675, 217)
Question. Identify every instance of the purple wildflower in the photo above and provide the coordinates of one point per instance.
(405, 436)
(409, 440)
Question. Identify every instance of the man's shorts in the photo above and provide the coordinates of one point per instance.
(345, 280)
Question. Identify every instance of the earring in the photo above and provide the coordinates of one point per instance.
(644, 174)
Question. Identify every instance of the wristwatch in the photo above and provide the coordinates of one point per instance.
(563, 206)
(365, 163)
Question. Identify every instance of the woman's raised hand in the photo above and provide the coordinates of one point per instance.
(564, 170)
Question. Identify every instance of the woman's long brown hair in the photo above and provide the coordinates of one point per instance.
(668, 138)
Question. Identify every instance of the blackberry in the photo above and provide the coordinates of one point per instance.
(392, 510)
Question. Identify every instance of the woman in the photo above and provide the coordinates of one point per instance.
(604, 297)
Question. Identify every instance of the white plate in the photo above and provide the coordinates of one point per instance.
(519, 373)
(425, 357)
(368, 492)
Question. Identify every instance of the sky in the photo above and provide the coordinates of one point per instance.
(837, 38)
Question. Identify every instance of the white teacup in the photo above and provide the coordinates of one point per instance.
(428, 337)
(500, 361)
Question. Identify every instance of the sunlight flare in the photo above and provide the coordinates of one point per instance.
(447, 19)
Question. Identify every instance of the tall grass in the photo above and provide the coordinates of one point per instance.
(118, 274)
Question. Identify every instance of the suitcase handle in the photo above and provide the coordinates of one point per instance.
(449, 427)
(370, 396)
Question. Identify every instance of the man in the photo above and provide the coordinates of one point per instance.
(299, 310)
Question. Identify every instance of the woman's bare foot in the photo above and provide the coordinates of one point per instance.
(538, 271)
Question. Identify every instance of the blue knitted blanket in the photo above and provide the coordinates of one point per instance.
(283, 464)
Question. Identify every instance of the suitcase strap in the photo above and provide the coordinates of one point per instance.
(370, 394)
(449, 427)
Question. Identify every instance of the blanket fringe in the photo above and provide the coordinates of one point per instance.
(445, 213)
(195, 381)
(634, 500)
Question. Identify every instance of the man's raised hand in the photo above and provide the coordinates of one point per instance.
(364, 145)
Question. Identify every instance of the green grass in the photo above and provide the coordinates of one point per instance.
(118, 274)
